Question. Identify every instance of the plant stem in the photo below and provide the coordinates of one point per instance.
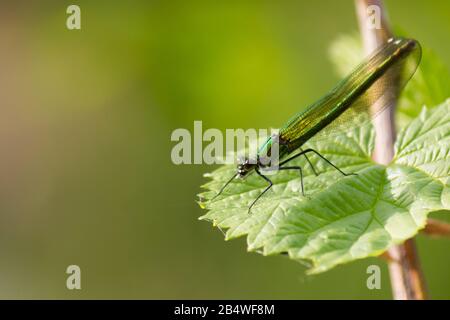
(436, 228)
(407, 279)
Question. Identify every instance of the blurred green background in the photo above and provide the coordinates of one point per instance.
(86, 117)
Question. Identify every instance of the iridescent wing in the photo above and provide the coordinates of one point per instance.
(374, 85)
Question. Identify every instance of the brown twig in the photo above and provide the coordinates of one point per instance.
(407, 280)
(436, 228)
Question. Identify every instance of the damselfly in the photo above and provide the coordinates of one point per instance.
(369, 89)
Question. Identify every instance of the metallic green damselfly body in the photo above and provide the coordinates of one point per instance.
(371, 87)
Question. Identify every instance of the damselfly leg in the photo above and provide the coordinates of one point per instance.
(303, 152)
(271, 184)
(310, 163)
(262, 193)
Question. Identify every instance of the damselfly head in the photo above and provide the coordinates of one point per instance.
(245, 167)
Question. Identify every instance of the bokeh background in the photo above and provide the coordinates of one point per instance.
(85, 122)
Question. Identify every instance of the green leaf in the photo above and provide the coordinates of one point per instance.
(341, 218)
(345, 52)
(429, 86)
